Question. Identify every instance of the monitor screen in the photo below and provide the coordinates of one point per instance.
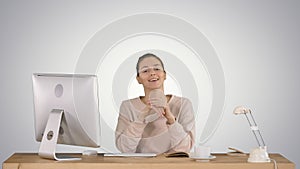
(66, 104)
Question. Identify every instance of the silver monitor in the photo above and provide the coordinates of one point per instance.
(66, 112)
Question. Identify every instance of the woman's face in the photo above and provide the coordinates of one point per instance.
(151, 74)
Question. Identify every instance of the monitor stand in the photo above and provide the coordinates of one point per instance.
(50, 137)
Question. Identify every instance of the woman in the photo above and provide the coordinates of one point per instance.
(154, 123)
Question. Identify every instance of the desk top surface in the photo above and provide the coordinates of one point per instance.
(32, 159)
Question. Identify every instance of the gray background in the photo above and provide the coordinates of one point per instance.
(257, 43)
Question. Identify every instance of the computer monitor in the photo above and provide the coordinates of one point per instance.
(66, 112)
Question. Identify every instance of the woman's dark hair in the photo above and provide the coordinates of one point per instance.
(147, 55)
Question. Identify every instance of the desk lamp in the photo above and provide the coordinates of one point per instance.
(259, 154)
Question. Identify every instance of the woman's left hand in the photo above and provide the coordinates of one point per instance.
(168, 114)
(163, 109)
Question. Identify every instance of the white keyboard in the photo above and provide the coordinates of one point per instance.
(130, 155)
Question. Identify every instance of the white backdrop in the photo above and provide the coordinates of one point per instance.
(257, 43)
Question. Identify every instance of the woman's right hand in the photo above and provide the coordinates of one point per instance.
(148, 114)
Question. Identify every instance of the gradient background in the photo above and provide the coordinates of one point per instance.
(257, 43)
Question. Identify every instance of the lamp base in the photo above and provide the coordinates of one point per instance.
(259, 155)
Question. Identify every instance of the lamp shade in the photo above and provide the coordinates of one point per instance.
(241, 110)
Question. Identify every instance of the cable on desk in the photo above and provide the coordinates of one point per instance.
(275, 163)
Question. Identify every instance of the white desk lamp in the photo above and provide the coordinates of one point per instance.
(259, 154)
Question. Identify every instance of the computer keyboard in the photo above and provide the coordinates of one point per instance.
(130, 155)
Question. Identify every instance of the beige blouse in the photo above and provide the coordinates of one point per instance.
(135, 135)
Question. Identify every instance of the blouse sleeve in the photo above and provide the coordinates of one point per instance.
(182, 132)
(129, 130)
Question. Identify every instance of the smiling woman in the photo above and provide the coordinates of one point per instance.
(194, 70)
(155, 123)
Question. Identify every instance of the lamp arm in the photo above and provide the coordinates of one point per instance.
(255, 130)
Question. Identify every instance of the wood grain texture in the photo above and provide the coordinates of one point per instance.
(222, 161)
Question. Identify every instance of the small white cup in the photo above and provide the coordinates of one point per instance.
(202, 151)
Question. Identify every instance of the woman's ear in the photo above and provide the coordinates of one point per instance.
(138, 79)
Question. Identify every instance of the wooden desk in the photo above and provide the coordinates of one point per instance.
(223, 161)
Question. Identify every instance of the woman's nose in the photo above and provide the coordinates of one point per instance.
(152, 72)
